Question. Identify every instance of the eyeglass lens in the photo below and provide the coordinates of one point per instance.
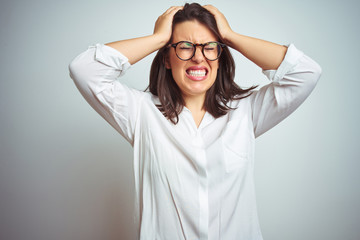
(186, 50)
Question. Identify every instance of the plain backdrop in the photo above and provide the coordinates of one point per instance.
(65, 174)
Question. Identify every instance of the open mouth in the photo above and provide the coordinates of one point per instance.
(197, 72)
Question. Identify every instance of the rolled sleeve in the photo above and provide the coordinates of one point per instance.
(95, 73)
(290, 60)
(112, 58)
(291, 84)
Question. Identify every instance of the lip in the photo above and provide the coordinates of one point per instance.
(197, 78)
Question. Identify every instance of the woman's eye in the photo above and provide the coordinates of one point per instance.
(213, 45)
(186, 48)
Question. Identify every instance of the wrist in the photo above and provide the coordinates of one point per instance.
(228, 37)
(160, 39)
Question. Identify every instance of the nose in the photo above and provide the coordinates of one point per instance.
(198, 56)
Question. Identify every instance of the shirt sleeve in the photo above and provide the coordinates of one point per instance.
(290, 85)
(95, 73)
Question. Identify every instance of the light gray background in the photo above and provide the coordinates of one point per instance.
(65, 174)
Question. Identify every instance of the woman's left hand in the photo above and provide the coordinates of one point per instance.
(222, 24)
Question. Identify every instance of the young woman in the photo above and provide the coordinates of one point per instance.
(193, 132)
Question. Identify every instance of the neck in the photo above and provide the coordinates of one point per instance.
(196, 106)
(195, 103)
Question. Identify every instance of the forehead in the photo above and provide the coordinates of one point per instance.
(192, 31)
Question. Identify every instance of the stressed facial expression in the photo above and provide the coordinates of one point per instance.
(195, 76)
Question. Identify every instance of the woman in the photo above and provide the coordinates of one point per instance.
(193, 133)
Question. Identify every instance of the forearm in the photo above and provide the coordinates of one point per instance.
(138, 48)
(266, 55)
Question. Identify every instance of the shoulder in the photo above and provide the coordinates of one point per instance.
(241, 100)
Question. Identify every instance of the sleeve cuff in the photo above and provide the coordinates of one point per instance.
(111, 57)
(291, 58)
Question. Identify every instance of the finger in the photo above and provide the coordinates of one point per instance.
(171, 9)
(174, 10)
(208, 6)
(167, 10)
(211, 9)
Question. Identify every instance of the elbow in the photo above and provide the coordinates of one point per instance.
(317, 72)
(79, 66)
(72, 67)
(80, 74)
(71, 70)
(75, 69)
(314, 73)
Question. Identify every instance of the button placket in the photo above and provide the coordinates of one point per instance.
(203, 186)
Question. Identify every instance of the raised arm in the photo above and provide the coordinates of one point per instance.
(96, 71)
(293, 75)
(138, 48)
(266, 55)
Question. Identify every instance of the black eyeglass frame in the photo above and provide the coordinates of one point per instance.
(222, 45)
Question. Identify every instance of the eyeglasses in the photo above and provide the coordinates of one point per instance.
(186, 50)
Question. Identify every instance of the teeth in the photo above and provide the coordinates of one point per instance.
(197, 73)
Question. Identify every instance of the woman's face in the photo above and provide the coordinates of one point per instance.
(195, 76)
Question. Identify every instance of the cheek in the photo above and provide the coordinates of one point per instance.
(214, 68)
(177, 66)
(173, 60)
(216, 65)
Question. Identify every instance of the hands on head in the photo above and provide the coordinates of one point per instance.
(138, 48)
(253, 49)
(222, 24)
(163, 25)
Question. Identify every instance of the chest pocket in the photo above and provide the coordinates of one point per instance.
(234, 160)
(236, 146)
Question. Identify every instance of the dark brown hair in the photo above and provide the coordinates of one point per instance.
(218, 95)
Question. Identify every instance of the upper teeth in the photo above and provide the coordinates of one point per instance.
(197, 73)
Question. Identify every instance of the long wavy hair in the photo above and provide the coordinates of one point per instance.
(218, 95)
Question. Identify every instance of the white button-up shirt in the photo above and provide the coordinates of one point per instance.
(192, 183)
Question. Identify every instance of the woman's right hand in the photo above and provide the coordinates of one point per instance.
(138, 48)
(163, 25)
